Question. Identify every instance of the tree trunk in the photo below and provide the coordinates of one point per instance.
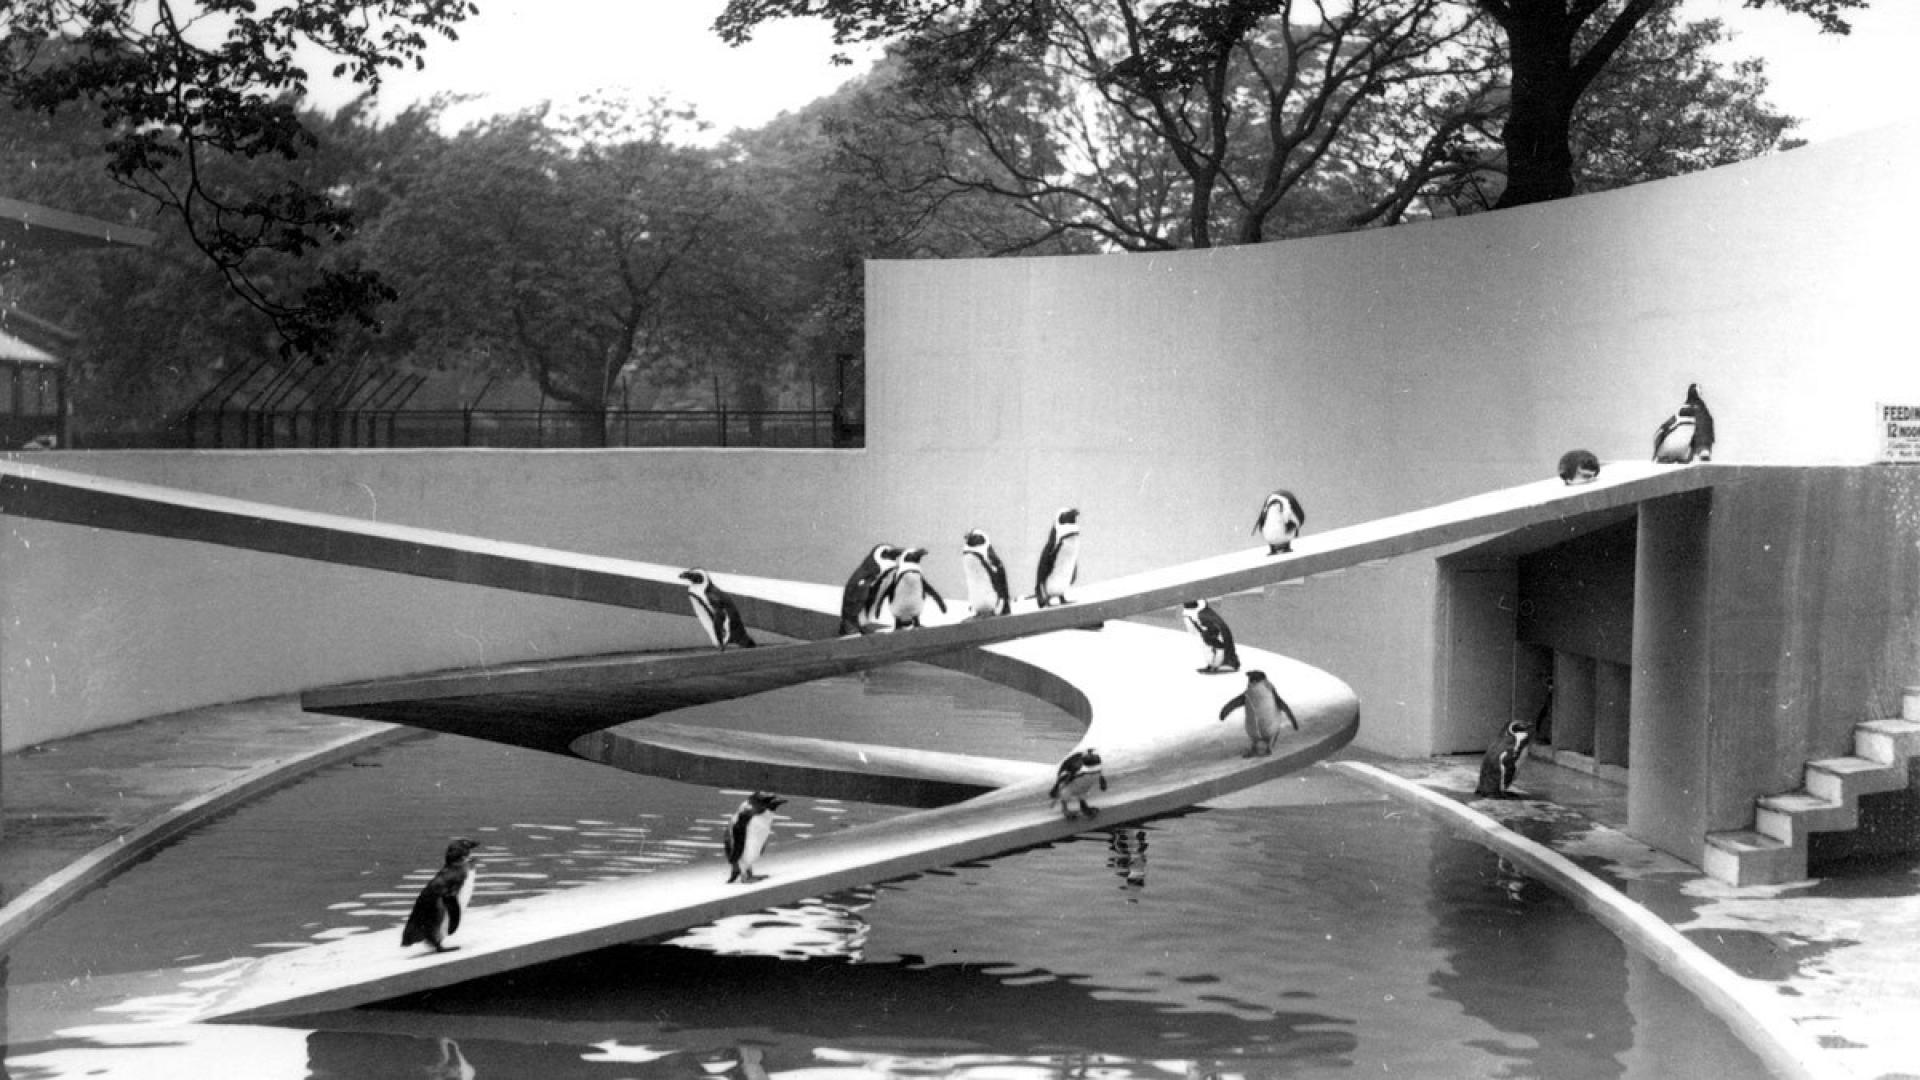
(1539, 126)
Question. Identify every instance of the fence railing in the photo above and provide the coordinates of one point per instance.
(254, 429)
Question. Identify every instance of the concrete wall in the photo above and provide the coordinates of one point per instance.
(1163, 395)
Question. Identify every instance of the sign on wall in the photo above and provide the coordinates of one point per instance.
(1899, 434)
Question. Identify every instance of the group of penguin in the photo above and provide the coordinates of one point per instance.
(889, 590)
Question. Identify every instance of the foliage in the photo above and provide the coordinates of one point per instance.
(186, 91)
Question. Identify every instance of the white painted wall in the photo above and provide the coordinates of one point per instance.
(1163, 395)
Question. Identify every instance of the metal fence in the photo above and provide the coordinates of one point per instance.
(290, 408)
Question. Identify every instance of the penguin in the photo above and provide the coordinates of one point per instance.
(1059, 560)
(1264, 707)
(909, 590)
(986, 576)
(1579, 467)
(747, 835)
(436, 911)
(715, 609)
(861, 608)
(1502, 761)
(1280, 521)
(1687, 435)
(1077, 775)
(1214, 632)
(453, 1065)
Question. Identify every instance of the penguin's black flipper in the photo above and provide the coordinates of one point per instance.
(933, 594)
(1288, 709)
(423, 924)
(1239, 702)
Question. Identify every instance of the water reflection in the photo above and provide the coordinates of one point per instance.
(1127, 855)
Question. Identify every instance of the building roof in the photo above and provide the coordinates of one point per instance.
(15, 351)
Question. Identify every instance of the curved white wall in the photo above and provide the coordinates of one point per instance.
(1163, 395)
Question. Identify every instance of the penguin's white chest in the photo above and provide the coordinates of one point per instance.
(1082, 783)
(1677, 445)
(1066, 560)
(909, 596)
(754, 841)
(874, 612)
(980, 591)
(466, 888)
(703, 612)
(1279, 526)
(1263, 716)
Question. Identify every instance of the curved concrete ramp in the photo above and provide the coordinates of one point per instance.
(1154, 719)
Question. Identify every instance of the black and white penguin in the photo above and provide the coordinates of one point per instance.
(1502, 761)
(436, 911)
(986, 576)
(861, 585)
(716, 611)
(1214, 633)
(1078, 773)
(1687, 435)
(1280, 521)
(747, 834)
(908, 591)
(1264, 708)
(1059, 560)
(1579, 467)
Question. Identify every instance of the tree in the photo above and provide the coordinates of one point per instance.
(186, 90)
(1557, 50)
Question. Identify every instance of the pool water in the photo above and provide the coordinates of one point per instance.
(1308, 928)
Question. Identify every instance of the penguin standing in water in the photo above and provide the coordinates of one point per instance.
(1579, 467)
(1214, 633)
(715, 609)
(1059, 560)
(436, 911)
(909, 590)
(1264, 708)
(1078, 773)
(1280, 521)
(1687, 435)
(1502, 761)
(986, 577)
(860, 587)
(747, 835)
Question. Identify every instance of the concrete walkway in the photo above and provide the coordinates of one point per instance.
(1840, 957)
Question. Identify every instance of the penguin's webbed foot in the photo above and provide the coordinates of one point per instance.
(1090, 811)
(1280, 549)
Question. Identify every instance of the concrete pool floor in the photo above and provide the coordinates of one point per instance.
(1841, 954)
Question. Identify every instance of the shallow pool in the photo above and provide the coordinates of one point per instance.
(1309, 928)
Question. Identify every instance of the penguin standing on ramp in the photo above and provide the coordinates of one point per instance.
(860, 587)
(1502, 761)
(1264, 709)
(1687, 435)
(1214, 633)
(1579, 467)
(436, 911)
(747, 835)
(1077, 775)
(907, 593)
(986, 577)
(1059, 560)
(1280, 521)
(716, 611)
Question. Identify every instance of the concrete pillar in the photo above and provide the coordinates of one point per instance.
(1668, 753)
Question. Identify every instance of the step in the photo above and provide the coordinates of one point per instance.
(1790, 817)
(1745, 857)
(1887, 740)
(1843, 778)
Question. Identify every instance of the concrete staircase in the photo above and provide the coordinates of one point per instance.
(1775, 849)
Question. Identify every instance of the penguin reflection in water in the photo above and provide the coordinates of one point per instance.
(436, 911)
(1264, 708)
(747, 835)
(1077, 776)
(716, 611)
(1214, 633)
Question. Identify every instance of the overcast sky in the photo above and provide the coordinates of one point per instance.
(518, 52)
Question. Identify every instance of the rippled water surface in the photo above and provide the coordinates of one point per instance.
(1312, 929)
